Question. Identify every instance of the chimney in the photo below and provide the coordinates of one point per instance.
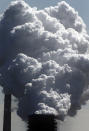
(42, 123)
(7, 113)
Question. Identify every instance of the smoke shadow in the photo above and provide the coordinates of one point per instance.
(42, 123)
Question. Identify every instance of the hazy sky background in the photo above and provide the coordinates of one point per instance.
(82, 6)
(78, 123)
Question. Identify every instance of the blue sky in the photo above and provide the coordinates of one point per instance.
(82, 6)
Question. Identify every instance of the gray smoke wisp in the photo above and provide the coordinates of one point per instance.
(44, 58)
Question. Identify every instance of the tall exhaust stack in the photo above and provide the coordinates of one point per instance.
(7, 113)
(42, 123)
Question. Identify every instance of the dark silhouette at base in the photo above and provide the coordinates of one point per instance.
(42, 123)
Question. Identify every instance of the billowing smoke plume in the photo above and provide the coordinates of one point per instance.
(44, 58)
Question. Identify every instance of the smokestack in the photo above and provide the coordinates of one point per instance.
(7, 113)
(42, 123)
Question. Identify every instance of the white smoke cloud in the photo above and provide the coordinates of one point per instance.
(44, 58)
(67, 16)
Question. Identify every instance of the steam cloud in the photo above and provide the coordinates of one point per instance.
(44, 58)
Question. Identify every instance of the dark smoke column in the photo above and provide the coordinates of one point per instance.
(7, 113)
